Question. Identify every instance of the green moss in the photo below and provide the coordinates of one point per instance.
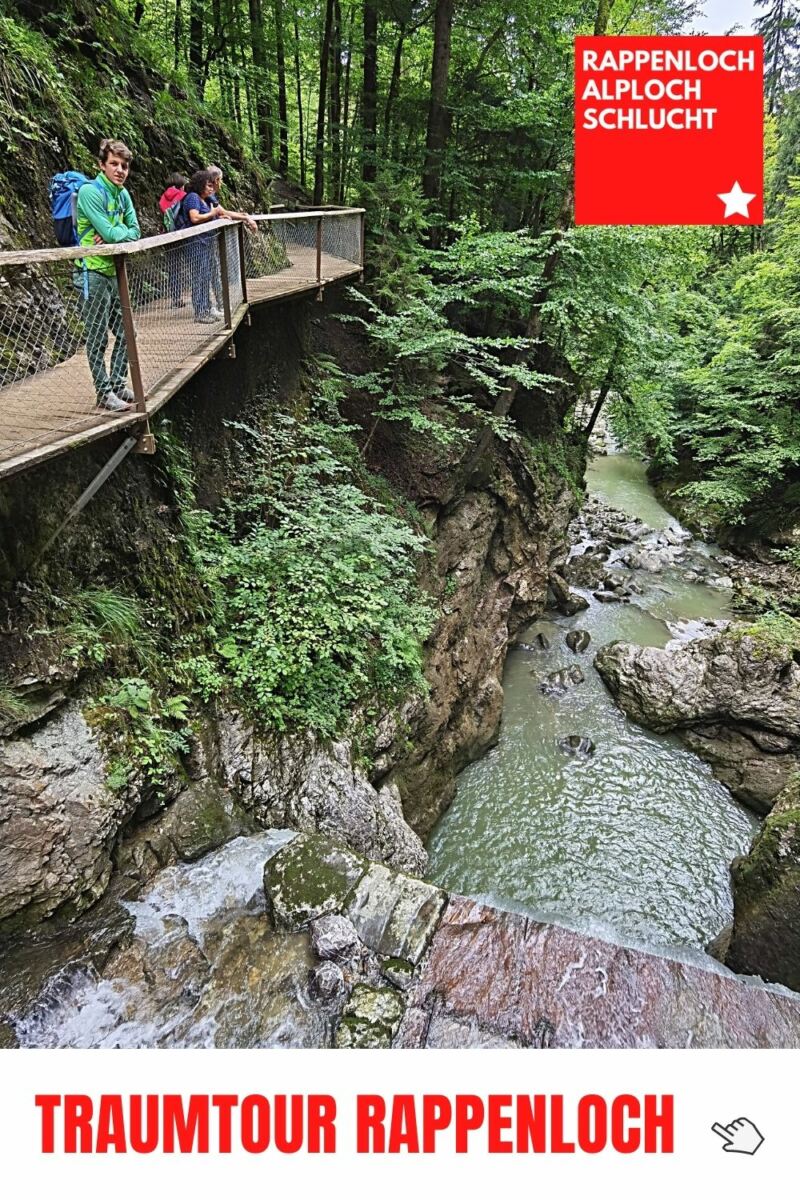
(775, 632)
(309, 878)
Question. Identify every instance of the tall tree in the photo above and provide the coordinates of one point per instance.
(301, 141)
(369, 93)
(780, 28)
(283, 113)
(319, 145)
(196, 44)
(263, 101)
(533, 330)
(438, 118)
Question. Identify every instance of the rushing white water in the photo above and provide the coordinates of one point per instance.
(635, 840)
(203, 968)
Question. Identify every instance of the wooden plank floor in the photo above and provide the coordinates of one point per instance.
(54, 410)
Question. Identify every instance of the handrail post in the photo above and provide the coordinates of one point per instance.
(242, 260)
(361, 235)
(226, 287)
(319, 258)
(129, 330)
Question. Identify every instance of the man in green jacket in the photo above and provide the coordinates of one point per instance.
(105, 213)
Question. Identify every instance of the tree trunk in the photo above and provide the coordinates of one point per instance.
(319, 147)
(335, 104)
(436, 139)
(604, 8)
(369, 93)
(177, 35)
(263, 100)
(283, 110)
(300, 136)
(138, 13)
(196, 45)
(394, 88)
(346, 108)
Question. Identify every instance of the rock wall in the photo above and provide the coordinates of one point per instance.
(495, 548)
(734, 698)
(765, 939)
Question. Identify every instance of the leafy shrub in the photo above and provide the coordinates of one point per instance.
(148, 733)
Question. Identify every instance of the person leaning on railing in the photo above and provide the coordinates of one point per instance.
(105, 213)
(216, 179)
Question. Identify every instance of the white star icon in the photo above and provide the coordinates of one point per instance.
(736, 201)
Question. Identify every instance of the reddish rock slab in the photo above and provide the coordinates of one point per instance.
(495, 977)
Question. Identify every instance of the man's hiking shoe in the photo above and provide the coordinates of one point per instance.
(113, 403)
(206, 319)
(216, 314)
(125, 394)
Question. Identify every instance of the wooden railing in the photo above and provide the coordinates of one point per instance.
(181, 297)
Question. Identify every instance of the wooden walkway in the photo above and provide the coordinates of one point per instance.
(49, 412)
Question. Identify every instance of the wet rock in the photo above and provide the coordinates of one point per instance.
(735, 697)
(575, 744)
(298, 783)
(718, 946)
(202, 818)
(395, 915)
(398, 971)
(567, 602)
(585, 570)
(309, 878)
(59, 819)
(607, 597)
(558, 682)
(578, 640)
(531, 984)
(370, 1019)
(327, 982)
(765, 939)
(8, 1036)
(334, 937)
(646, 560)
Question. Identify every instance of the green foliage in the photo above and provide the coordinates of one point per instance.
(148, 734)
(312, 583)
(776, 632)
(103, 623)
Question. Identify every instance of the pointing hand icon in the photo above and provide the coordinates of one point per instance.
(740, 1137)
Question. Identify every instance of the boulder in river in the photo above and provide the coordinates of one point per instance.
(575, 744)
(577, 640)
(558, 682)
(567, 602)
(608, 597)
(734, 697)
(765, 939)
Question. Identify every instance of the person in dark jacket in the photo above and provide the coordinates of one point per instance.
(195, 210)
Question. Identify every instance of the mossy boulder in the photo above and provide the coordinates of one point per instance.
(309, 878)
(766, 896)
(370, 1019)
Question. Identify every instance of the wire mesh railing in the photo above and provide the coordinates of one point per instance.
(143, 320)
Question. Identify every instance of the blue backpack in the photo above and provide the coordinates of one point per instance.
(64, 188)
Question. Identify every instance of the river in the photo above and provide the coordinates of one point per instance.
(633, 842)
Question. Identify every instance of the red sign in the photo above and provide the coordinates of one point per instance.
(669, 131)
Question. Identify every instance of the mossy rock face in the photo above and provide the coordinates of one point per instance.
(370, 1019)
(310, 877)
(766, 893)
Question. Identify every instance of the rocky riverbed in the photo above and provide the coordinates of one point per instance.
(284, 939)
